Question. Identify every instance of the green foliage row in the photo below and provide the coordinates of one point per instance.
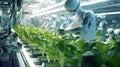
(71, 50)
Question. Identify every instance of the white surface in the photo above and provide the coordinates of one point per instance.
(29, 60)
(20, 60)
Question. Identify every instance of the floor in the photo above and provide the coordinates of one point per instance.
(13, 61)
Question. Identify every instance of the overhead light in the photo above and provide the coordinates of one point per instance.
(108, 13)
(48, 12)
(93, 2)
(43, 11)
(47, 8)
(39, 1)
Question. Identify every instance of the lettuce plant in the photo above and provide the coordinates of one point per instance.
(71, 50)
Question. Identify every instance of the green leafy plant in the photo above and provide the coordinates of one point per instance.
(71, 50)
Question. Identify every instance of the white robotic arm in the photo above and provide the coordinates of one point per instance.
(86, 23)
(7, 20)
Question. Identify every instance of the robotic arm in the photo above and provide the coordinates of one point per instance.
(9, 10)
(86, 23)
(8, 16)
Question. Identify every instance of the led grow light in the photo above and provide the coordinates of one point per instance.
(47, 10)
